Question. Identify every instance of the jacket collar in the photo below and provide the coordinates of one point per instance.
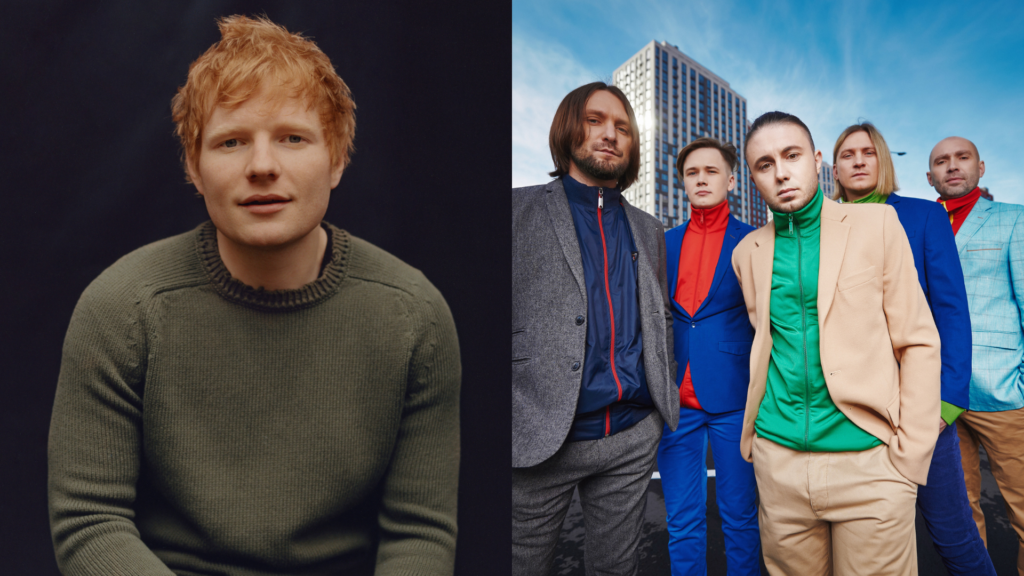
(834, 234)
(975, 220)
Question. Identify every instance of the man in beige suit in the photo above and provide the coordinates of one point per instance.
(843, 405)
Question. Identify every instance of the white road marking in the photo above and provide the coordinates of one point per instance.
(657, 475)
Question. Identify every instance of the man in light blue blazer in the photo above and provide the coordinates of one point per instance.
(990, 244)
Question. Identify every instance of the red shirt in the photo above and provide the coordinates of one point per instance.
(698, 257)
(959, 208)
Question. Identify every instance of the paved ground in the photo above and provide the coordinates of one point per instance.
(654, 559)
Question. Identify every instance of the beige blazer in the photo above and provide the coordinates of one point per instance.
(879, 344)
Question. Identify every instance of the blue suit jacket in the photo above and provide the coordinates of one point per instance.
(991, 247)
(716, 340)
(938, 270)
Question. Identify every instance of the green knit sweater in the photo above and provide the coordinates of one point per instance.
(205, 427)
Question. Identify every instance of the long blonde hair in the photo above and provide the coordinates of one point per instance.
(887, 183)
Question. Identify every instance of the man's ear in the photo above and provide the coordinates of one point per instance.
(929, 175)
(336, 171)
(193, 175)
(981, 168)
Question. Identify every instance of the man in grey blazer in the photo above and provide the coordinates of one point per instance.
(592, 378)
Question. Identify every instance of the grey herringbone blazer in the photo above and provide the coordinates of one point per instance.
(548, 294)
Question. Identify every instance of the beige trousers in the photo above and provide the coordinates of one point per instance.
(842, 513)
(1002, 435)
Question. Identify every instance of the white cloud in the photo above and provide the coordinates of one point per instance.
(543, 73)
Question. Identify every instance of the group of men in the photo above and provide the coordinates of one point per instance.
(845, 361)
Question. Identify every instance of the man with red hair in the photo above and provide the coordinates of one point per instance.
(265, 394)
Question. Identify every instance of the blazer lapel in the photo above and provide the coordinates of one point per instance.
(673, 248)
(761, 260)
(975, 220)
(565, 231)
(729, 242)
(833, 249)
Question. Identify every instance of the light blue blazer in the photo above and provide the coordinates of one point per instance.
(991, 248)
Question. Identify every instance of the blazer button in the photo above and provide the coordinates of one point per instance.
(579, 320)
(575, 366)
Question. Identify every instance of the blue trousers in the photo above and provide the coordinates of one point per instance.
(682, 463)
(947, 511)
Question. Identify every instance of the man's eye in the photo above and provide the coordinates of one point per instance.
(293, 139)
(230, 143)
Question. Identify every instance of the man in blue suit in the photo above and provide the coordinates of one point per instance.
(990, 245)
(864, 173)
(712, 348)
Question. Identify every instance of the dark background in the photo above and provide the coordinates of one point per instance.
(91, 171)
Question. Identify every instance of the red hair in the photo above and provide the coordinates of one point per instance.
(252, 52)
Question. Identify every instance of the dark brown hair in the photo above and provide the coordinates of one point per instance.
(728, 152)
(569, 131)
(769, 118)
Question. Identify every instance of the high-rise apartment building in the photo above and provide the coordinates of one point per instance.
(826, 180)
(676, 100)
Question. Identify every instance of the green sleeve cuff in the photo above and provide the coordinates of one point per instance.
(950, 412)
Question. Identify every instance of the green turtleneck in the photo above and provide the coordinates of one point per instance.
(873, 198)
(797, 411)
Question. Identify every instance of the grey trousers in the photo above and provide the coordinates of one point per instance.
(612, 475)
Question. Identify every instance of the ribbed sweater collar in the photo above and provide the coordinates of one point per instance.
(713, 219)
(806, 219)
(274, 300)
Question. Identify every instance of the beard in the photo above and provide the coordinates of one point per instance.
(956, 191)
(587, 162)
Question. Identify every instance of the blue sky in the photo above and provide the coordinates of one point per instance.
(920, 71)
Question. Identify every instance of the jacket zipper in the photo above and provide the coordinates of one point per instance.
(611, 311)
(696, 286)
(803, 332)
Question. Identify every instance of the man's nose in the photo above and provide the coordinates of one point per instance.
(609, 132)
(781, 172)
(263, 164)
(858, 161)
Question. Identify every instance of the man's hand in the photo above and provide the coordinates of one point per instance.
(942, 425)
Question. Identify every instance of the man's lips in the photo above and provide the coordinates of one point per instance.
(954, 180)
(610, 152)
(858, 174)
(264, 203)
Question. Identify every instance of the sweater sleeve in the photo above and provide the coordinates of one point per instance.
(95, 440)
(417, 514)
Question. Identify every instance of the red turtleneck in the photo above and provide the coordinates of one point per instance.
(702, 245)
(959, 208)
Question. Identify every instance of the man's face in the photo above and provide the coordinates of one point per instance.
(604, 154)
(857, 164)
(784, 166)
(707, 178)
(955, 167)
(265, 172)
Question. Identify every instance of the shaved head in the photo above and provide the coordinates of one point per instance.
(954, 140)
(954, 167)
